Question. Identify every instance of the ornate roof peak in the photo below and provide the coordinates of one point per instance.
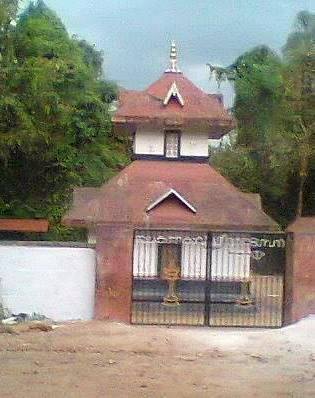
(173, 68)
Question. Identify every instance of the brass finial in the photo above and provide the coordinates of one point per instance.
(173, 59)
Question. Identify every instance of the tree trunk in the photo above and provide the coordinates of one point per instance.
(303, 175)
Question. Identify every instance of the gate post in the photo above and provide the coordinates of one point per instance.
(300, 270)
(114, 249)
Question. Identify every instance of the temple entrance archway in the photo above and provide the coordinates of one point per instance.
(208, 278)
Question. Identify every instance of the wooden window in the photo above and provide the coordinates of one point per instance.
(172, 143)
(169, 254)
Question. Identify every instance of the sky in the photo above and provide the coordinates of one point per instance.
(135, 35)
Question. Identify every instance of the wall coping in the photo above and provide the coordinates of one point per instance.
(23, 225)
(53, 244)
(304, 225)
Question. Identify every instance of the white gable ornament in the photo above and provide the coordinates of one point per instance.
(173, 92)
(166, 195)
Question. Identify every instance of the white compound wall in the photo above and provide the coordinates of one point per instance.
(55, 281)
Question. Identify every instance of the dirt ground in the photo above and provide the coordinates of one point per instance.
(100, 359)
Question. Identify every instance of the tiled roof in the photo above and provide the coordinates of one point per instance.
(200, 109)
(126, 197)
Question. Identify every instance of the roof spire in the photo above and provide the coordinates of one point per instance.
(173, 59)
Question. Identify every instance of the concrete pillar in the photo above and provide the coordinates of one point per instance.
(114, 249)
(300, 270)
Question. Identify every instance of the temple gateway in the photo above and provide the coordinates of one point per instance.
(176, 242)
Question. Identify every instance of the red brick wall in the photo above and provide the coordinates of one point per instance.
(300, 276)
(114, 273)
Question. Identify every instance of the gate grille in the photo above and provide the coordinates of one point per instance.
(219, 279)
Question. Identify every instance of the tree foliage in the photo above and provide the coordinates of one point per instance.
(55, 128)
(274, 107)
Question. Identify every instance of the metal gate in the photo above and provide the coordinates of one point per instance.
(213, 279)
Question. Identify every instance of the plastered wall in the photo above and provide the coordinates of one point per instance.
(152, 143)
(58, 282)
(194, 144)
(149, 142)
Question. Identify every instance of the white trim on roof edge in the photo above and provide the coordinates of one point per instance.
(173, 92)
(166, 195)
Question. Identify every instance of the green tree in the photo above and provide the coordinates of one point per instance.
(299, 61)
(55, 128)
(253, 160)
(274, 109)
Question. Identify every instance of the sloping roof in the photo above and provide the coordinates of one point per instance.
(125, 198)
(254, 198)
(201, 110)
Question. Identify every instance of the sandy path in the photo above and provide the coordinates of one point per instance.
(99, 359)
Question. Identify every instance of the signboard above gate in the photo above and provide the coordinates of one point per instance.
(230, 241)
(227, 241)
(171, 237)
